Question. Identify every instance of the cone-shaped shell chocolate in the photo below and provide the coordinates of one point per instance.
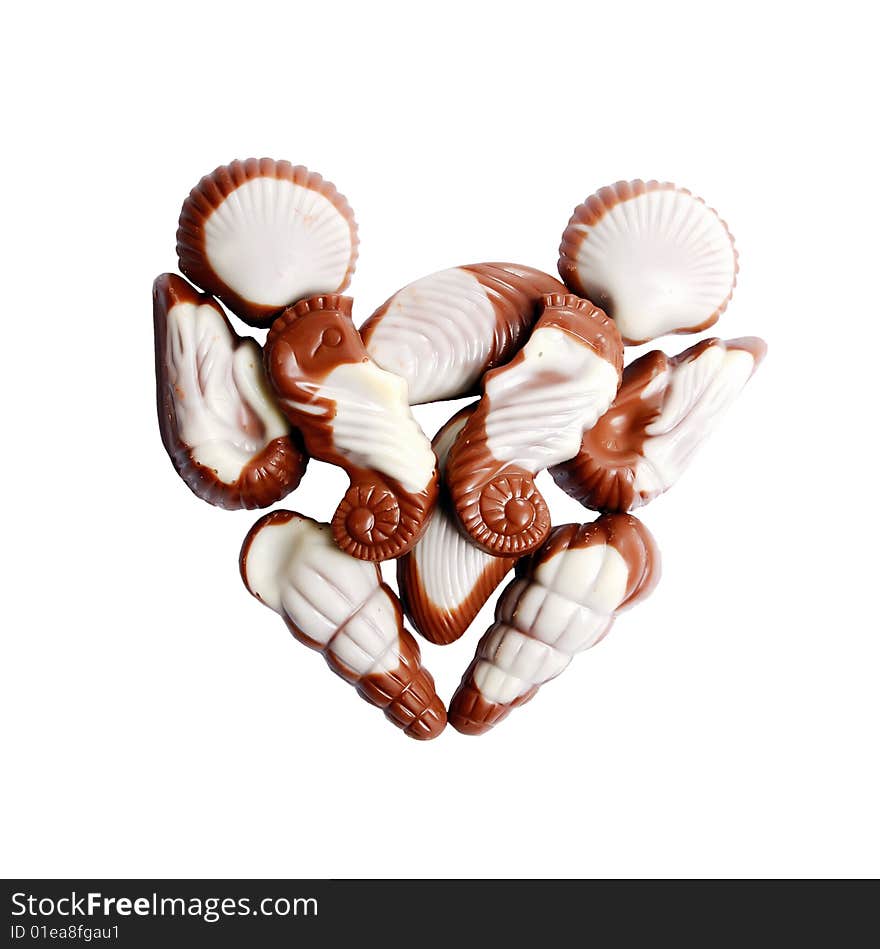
(663, 412)
(654, 256)
(443, 332)
(532, 414)
(261, 234)
(340, 607)
(564, 600)
(445, 579)
(355, 415)
(218, 419)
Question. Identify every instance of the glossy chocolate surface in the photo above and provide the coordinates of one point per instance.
(261, 234)
(564, 600)
(665, 409)
(532, 414)
(443, 332)
(445, 579)
(355, 415)
(218, 419)
(339, 606)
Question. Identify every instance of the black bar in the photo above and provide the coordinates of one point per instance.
(407, 913)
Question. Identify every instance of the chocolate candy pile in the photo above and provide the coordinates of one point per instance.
(277, 244)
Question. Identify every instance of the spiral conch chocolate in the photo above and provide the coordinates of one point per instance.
(564, 600)
(532, 414)
(339, 606)
(353, 414)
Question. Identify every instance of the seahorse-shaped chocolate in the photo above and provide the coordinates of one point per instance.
(564, 599)
(665, 409)
(532, 414)
(218, 419)
(443, 332)
(353, 414)
(339, 606)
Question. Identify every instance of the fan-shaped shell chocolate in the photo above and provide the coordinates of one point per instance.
(261, 234)
(654, 256)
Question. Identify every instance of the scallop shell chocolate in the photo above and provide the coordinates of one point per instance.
(355, 415)
(654, 256)
(443, 332)
(564, 600)
(261, 234)
(445, 579)
(663, 412)
(218, 419)
(532, 414)
(340, 607)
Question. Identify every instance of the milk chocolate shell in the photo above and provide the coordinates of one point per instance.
(532, 414)
(262, 234)
(664, 410)
(443, 332)
(564, 600)
(655, 257)
(219, 422)
(353, 414)
(445, 579)
(340, 607)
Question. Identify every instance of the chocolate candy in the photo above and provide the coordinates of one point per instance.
(532, 414)
(444, 332)
(340, 607)
(445, 579)
(262, 234)
(217, 415)
(353, 414)
(564, 599)
(664, 410)
(653, 256)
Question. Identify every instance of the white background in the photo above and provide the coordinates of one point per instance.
(158, 721)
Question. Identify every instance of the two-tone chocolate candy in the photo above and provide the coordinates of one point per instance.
(261, 234)
(443, 332)
(532, 414)
(654, 256)
(355, 415)
(339, 606)
(663, 412)
(445, 579)
(564, 600)
(218, 418)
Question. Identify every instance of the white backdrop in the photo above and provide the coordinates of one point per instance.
(158, 721)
